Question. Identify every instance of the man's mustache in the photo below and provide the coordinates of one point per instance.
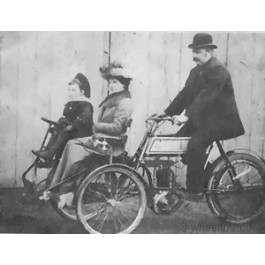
(196, 59)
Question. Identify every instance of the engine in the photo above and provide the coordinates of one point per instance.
(165, 174)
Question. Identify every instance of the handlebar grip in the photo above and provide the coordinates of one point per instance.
(160, 119)
(50, 122)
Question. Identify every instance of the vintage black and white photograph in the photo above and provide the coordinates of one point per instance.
(144, 132)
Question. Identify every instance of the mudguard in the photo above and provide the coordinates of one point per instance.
(246, 151)
(211, 166)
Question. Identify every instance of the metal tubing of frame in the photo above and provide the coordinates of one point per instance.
(45, 137)
(233, 173)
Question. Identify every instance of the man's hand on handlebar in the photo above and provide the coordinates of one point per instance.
(179, 119)
(176, 119)
(159, 118)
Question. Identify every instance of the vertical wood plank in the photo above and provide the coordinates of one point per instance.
(25, 132)
(240, 66)
(8, 107)
(131, 50)
(154, 60)
(258, 95)
(36, 68)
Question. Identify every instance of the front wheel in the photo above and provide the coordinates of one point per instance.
(237, 197)
(112, 200)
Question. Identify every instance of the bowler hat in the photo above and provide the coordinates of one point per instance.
(117, 71)
(202, 40)
(83, 84)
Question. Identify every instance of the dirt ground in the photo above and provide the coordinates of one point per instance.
(38, 217)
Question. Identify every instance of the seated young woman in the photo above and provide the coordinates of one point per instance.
(115, 113)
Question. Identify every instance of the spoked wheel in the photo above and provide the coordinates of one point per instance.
(238, 203)
(111, 200)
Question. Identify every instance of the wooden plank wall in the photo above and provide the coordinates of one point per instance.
(161, 62)
(35, 68)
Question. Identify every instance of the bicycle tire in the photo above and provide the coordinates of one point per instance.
(217, 194)
(113, 203)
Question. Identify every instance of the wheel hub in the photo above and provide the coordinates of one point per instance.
(113, 202)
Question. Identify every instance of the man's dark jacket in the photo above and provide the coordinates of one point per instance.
(209, 100)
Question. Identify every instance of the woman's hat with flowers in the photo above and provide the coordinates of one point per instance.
(115, 70)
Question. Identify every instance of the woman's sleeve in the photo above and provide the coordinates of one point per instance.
(121, 118)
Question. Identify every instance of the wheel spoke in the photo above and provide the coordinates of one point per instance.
(111, 183)
(129, 192)
(115, 225)
(95, 212)
(126, 216)
(100, 192)
(121, 224)
(121, 181)
(103, 221)
(114, 184)
(124, 189)
(95, 219)
(98, 186)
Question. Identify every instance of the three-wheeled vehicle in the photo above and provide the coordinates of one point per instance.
(113, 197)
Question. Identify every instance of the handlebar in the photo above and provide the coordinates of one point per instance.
(180, 119)
(161, 119)
(157, 119)
(50, 122)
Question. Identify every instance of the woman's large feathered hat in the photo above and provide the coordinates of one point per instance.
(117, 71)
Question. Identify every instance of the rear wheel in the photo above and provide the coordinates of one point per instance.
(237, 203)
(111, 200)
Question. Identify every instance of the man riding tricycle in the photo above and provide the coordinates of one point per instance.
(110, 190)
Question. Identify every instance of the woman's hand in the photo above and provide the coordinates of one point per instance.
(68, 128)
(95, 141)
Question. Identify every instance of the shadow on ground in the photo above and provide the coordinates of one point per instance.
(17, 216)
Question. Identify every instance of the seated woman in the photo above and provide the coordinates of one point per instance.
(77, 119)
(115, 113)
